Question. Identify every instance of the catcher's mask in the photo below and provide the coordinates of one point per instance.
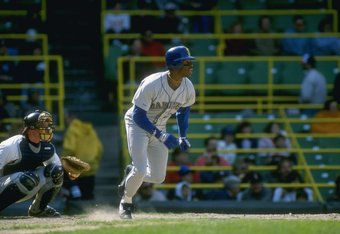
(42, 121)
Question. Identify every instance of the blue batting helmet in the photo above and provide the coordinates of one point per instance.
(175, 55)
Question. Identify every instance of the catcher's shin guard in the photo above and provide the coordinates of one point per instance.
(121, 186)
(10, 195)
(42, 199)
(18, 188)
(48, 192)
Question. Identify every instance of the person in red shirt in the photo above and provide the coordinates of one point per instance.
(210, 145)
(152, 47)
(179, 158)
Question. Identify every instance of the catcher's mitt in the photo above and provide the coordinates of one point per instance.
(74, 166)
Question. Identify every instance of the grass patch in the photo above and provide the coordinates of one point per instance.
(177, 224)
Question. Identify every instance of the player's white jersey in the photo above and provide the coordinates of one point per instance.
(11, 152)
(159, 100)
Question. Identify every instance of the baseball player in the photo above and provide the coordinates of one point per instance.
(157, 98)
(29, 166)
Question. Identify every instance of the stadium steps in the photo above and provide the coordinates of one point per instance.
(74, 33)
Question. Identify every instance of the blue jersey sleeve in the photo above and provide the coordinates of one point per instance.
(182, 116)
(140, 118)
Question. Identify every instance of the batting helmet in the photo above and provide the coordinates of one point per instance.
(42, 121)
(175, 55)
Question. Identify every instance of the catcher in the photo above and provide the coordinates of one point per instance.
(30, 166)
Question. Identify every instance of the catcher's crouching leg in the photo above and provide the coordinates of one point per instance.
(17, 187)
(54, 180)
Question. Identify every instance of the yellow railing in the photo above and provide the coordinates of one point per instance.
(54, 92)
(262, 102)
(23, 12)
(23, 37)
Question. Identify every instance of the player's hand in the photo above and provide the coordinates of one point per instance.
(168, 140)
(184, 144)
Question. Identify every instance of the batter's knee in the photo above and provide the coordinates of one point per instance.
(29, 180)
(56, 172)
(139, 173)
(157, 179)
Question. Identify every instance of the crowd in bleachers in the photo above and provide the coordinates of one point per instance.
(216, 149)
(171, 22)
(18, 36)
(219, 151)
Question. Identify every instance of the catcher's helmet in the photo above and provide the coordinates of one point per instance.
(42, 121)
(175, 55)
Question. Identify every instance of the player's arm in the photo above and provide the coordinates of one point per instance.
(142, 121)
(9, 153)
(182, 116)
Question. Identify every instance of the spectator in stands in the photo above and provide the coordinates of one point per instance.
(292, 194)
(230, 191)
(237, 46)
(325, 45)
(147, 193)
(179, 158)
(227, 142)
(4, 127)
(256, 191)
(81, 140)
(143, 23)
(336, 88)
(295, 46)
(7, 68)
(245, 127)
(183, 191)
(206, 157)
(272, 128)
(117, 23)
(213, 176)
(240, 168)
(280, 143)
(283, 171)
(335, 196)
(32, 72)
(32, 103)
(170, 19)
(32, 24)
(152, 47)
(330, 110)
(8, 108)
(265, 46)
(313, 87)
(135, 51)
(200, 23)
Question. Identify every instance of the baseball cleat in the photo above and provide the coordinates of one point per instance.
(125, 210)
(121, 186)
(49, 212)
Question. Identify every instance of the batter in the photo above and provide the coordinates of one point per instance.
(157, 98)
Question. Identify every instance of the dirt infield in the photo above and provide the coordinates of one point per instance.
(20, 225)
